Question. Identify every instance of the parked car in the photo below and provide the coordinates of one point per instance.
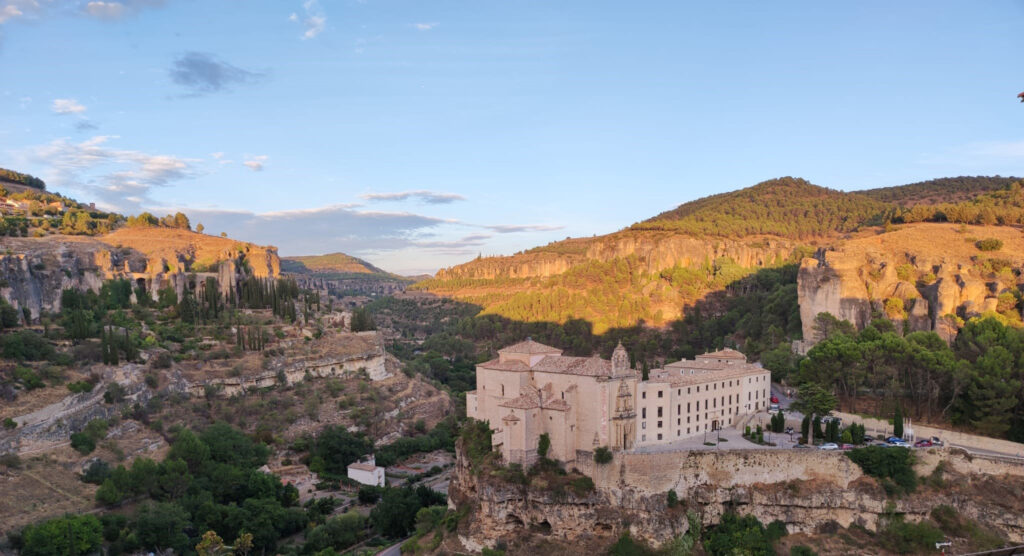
(893, 439)
(846, 446)
(801, 446)
(773, 408)
(936, 441)
(789, 430)
(900, 444)
(829, 418)
(829, 446)
(775, 399)
(923, 444)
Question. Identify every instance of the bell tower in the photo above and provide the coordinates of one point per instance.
(620, 361)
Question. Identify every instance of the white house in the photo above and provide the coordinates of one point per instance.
(366, 472)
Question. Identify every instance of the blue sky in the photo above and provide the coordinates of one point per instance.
(417, 134)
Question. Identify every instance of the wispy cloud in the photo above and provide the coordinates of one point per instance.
(513, 229)
(12, 10)
(255, 163)
(67, 106)
(339, 227)
(120, 179)
(204, 73)
(425, 26)
(429, 197)
(313, 19)
(85, 125)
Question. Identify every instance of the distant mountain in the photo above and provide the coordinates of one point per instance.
(784, 207)
(331, 263)
(942, 190)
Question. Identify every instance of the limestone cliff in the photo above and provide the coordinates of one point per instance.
(920, 275)
(808, 490)
(34, 271)
(657, 251)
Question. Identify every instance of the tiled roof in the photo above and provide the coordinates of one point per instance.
(724, 354)
(362, 467)
(583, 366)
(499, 365)
(529, 347)
(532, 398)
(678, 376)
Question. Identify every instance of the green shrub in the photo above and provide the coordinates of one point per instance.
(989, 244)
(28, 378)
(10, 423)
(602, 455)
(801, 550)
(893, 466)
(910, 538)
(581, 485)
(83, 443)
(80, 386)
(672, 499)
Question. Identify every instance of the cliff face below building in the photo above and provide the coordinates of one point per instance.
(922, 275)
(809, 491)
(34, 271)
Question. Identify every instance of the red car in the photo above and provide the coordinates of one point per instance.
(775, 399)
(846, 446)
(923, 444)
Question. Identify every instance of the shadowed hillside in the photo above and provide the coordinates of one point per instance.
(331, 263)
(942, 190)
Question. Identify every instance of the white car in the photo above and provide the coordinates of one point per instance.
(829, 446)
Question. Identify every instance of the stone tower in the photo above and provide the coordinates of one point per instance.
(620, 361)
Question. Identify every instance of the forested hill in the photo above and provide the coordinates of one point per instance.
(331, 263)
(785, 207)
(10, 176)
(942, 190)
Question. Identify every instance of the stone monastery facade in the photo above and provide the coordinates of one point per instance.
(583, 403)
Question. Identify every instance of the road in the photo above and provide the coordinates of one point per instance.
(393, 550)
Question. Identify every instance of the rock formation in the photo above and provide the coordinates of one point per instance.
(34, 271)
(923, 277)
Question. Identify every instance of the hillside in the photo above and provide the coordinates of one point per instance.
(785, 207)
(942, 190)
(8, 177)
(330, 263)
(655, 269)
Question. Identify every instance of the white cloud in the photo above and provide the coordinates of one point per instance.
(10, 11)
(425, 26)
(67, 106)
(255, 163)
(119, 179)
(314, 19)
(513, 229)
(430, 197)
(105, 10)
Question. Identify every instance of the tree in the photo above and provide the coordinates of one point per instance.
(543, 445)
(211, 545)
(200, 228)
(81, 534)
(813, 400)
(161, 526)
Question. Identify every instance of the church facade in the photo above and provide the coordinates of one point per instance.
(583, 403)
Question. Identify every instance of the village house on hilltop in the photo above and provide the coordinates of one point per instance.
(583, 403)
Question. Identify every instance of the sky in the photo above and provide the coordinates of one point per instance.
(418, 134)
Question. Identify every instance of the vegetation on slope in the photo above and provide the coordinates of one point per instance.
(23, 179)
(331, 263)
(938, 191)
(784, 207)
(978, 382)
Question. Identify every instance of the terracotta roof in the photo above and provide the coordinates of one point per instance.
(362, 467)
(582, 366)
(692, 375)
(499, 365)
(529, 347)
(723, 354)
(532, 398)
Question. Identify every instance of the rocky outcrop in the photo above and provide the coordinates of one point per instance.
(34, 271)
(806, 490)
(923, 277)
(657, 250)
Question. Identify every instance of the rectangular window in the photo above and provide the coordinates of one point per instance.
(679, 421)
(643, 413)
(687, 430)
(643, 395)
(659, 424)
(659, 411)
(687, 390)
(687, 418)
(659, 436)
(687, 407)
(678, 433)
(645, 438)
(643, 424)
(660, 393)
(716, 402)
(679, 408)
